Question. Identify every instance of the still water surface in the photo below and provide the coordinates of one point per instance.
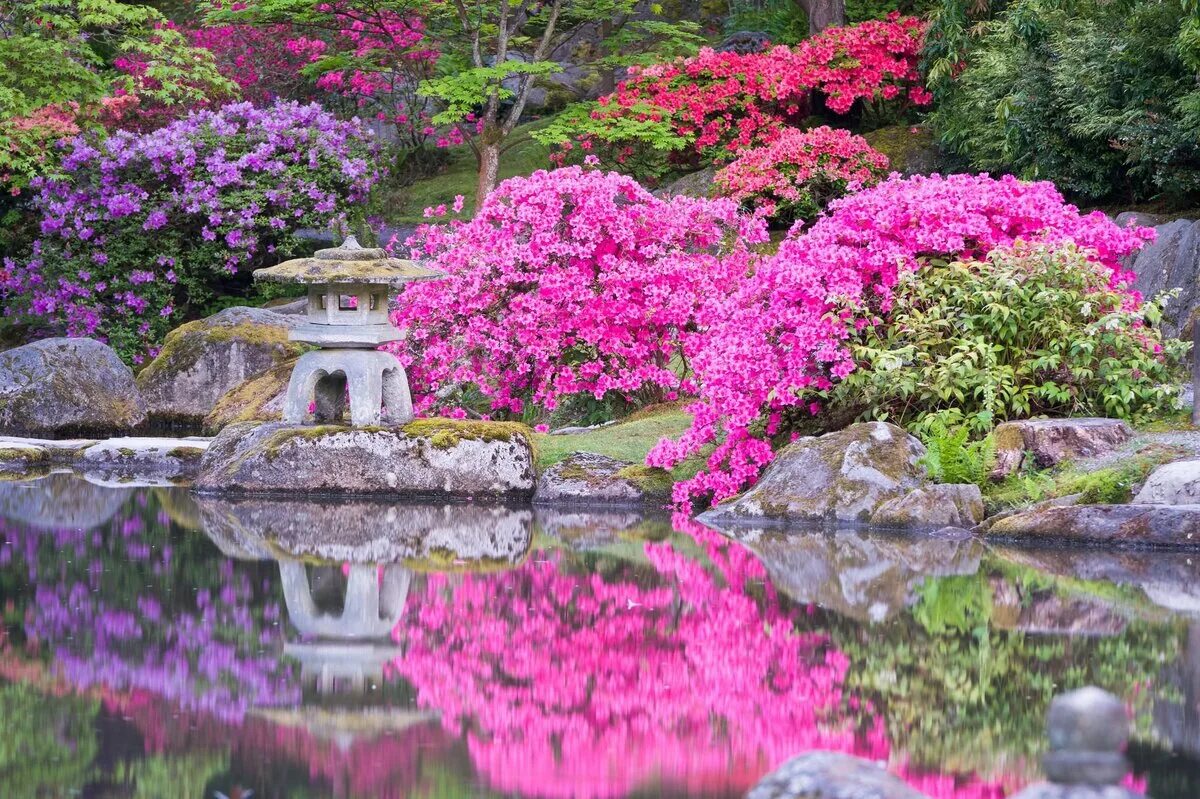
(156, 645)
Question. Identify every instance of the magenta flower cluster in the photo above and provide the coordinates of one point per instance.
(765, 347)
(566, 282)
(141, 226)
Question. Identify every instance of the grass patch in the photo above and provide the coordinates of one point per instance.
(406, 204)
(628, 440)
(1111, 485)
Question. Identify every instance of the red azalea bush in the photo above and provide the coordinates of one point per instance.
(565, 282)
(783, 333)
(714, 104)
(263, 60)
(798, 174)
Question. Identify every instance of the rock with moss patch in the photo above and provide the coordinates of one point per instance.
(144, 460)
(843, 476)
(586, 478)
(202, 360)
(1051, 441)
(909, 150)
(66, 385)
(19, 460)
(1149, 526)
(959, 505)
(259, 399)
(434, 458)
(695, 184)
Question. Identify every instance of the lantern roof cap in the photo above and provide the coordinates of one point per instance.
(348, 263)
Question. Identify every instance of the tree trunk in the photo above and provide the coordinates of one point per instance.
(824, 14)
(489, 167)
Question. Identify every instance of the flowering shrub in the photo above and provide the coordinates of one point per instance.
(1035, 331)
(142, 228)
(715, 104)
(568, 281)
(264, 61)
(797, 175)
(783, 333)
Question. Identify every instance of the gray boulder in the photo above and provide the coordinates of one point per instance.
(202, 360)
(1052, 441)
(436, 458)
(259, 399)
(831, 775)
(933, 507)
(1151, 526)
(1172, 484)
(1171, 261)
(585, 478)
(694, 184)
(862, 575)
(843, 476)
(62, 385)
(60, 500)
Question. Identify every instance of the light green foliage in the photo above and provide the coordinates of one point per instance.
(1099, 97)
(1027, 332)
(60, 55)
(49, 742)
(1110, 485)
(952, 458)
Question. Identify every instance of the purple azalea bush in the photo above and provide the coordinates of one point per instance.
(142, 230)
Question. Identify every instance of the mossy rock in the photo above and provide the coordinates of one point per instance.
(589, 479)
(910, 150)
(203, 360)
(259, 399)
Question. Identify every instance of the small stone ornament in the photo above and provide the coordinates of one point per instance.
(350, 288)
(1088, 730)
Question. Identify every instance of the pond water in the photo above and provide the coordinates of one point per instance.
(157, 645)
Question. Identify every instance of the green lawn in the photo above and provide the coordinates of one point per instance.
(406, 205)
(629, 440)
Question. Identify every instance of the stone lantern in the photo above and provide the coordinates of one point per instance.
(349, 289)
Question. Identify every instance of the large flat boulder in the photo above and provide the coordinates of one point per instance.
(446, 536)
(1052, 441)
(1150, 526)
(933, 507)
(202, 360)
(589, 479)
(63, 385)
(843, 476)
(143, 460)
(431, 458)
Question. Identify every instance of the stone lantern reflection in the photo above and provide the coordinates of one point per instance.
(349, 290)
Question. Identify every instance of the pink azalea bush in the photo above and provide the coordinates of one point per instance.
(783, 332)
(565, 282)
(715, 104)
(795, 176)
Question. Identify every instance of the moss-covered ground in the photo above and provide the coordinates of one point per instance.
(627, 440)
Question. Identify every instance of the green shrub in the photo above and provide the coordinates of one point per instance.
(1029, 331)
(1099, 97)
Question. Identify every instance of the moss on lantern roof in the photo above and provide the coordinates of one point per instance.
(349, 263)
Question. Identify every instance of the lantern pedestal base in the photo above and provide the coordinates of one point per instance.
(377, 384)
